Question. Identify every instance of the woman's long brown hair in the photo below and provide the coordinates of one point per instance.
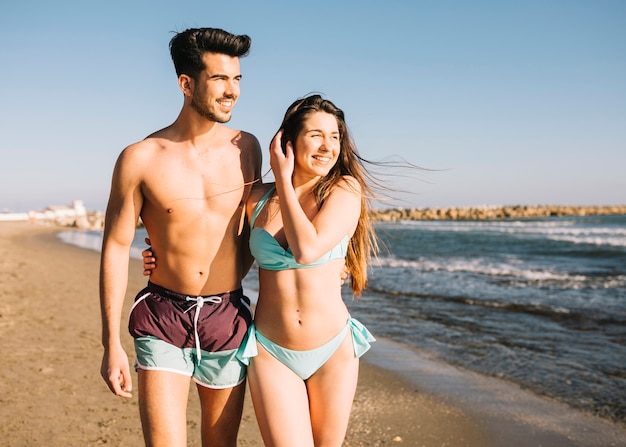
(363, 244)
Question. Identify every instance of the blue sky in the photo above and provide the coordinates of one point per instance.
(508, 102)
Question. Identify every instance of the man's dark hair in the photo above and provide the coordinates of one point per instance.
(188, 47)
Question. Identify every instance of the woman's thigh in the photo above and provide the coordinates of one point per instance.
(280, 402)
(331, 393)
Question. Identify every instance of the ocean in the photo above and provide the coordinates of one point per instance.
(538, 302)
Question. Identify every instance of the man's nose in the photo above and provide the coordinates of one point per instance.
(232, 88)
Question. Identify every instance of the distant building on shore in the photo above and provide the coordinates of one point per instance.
(74, 215)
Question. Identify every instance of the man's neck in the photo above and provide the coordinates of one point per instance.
(194, 127)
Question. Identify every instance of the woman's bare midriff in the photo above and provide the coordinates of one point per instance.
(301, 309)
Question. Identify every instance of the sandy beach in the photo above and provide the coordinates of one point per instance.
(51, 393)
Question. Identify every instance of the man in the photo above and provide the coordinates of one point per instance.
(188, 183)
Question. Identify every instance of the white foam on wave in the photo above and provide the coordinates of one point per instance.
(92, 240)
(590, 239)
(85, 239)
(480, 266)
(561, 230)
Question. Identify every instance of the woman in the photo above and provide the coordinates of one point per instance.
(303, 349)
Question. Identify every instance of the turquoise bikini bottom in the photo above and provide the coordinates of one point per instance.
(306, 363)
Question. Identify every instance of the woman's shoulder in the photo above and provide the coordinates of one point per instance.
(259, 190)
(349, 183)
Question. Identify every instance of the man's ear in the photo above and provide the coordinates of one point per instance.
(185, 83)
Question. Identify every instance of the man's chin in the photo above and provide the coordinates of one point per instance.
(222, 117)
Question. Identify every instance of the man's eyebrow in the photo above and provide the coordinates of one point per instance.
(222, 75)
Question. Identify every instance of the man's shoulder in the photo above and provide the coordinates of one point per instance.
(144, 147)
(156, 140)
(241, 136)
(141, 151)
(247, 143)
(159, 137)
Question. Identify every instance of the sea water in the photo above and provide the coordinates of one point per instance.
(537, 302)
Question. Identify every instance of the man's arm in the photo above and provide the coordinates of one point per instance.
(256, 159)
(123, 209)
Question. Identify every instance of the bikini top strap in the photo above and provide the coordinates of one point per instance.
(261, 203)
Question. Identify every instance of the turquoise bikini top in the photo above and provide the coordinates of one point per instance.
(270, 255)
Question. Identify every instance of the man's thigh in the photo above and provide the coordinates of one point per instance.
(163, 399)
(221, 414)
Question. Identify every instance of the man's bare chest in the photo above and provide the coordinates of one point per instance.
(196, 187)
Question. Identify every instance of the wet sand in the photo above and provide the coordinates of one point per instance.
(51, 393)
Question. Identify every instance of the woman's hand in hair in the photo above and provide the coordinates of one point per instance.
(281, 162)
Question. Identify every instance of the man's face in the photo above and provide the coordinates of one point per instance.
(217, 88)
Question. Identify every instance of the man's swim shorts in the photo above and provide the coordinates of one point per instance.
(197, 336)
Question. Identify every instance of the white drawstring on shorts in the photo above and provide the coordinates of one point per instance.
(200, 300)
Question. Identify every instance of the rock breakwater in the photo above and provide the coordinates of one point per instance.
(494, 212)
(94, 220)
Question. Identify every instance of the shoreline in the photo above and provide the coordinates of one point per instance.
(402, 394)
(509, 415)
(65, 217)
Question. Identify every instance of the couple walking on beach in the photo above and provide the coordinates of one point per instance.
(196, 185)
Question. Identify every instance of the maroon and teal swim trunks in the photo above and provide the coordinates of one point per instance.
(196, 336)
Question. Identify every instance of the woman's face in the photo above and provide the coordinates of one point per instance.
(318, 145)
